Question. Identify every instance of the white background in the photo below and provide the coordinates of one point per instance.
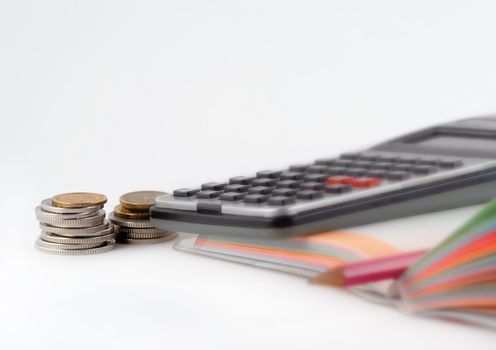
(117, 96)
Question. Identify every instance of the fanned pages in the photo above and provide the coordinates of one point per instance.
(457, 278)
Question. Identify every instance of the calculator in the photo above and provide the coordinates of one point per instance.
(437, 168)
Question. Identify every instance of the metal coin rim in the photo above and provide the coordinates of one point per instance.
(46, 205)
(137, 206)
(92, 231)
(129, 223)
(42, 214)
(132, 235)
(146, 241)
(76, 223)
(140, 230)
(105, 248)
(51, 245)
(138, 215)
(50, 237)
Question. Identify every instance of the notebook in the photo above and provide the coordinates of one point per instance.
(456, 279)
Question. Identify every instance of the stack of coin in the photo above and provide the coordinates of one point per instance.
(131, 219)
(74, 224)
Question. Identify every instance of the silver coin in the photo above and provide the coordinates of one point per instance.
(157, 234)
(47, 206)
(46, 215)
(105, 248)
(146, 241)
(76, 223)
(140, 230)
(50, 237)
(99, 230)
(129, 223)
(88, 245)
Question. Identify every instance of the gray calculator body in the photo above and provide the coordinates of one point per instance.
(437, 168)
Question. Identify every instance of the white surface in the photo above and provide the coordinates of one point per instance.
(115, 96)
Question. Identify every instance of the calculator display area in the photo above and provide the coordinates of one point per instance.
(458, 142)
(451, 142)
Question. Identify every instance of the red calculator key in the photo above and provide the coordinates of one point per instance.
(339, 180)
(348, 180)
(365, 182)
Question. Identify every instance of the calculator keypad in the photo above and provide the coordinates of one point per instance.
(325, 177)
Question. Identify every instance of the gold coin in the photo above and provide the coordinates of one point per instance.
(140, 200)
(78, 200)
(125, 213)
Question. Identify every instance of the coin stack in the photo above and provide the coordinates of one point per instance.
(131, 219)
(74, 224)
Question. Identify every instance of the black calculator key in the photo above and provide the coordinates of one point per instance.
(315, 177)
(291, 175)
(273, 174)
(343, 163)
(370, 157)
(429, 161)
(325, 161)
(263, 181)
(260, 190)
(312, 186)
(402, 167)
(376, 173)
(236, 188)
(244, 180)
(317, 169)
(381, 166)
(309, 194)
(232, 196)
(398, 175)
(336, 170)
(425, 169)
(450, 164)
(255, 198)
(284, 192)
(356, 172)
(288, 183)
(185, 192)
(362, 164)
(299, 167)
(350, 155)
(216, 186)
(390, 159)
(281, 200)
(409, 160)
(338, 188)
(208, 194)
